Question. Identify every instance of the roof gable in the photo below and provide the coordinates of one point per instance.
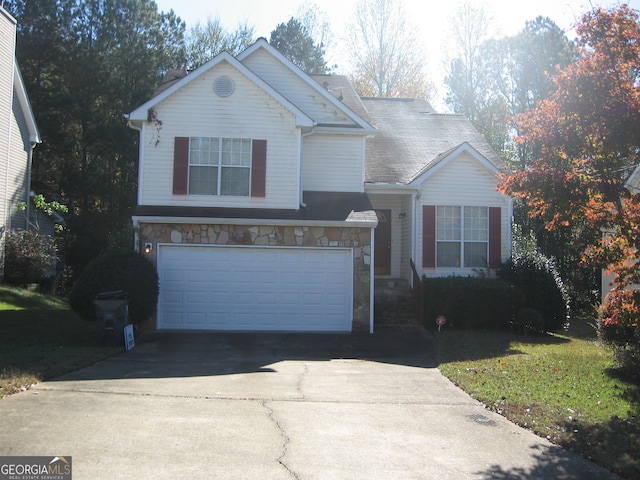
(312, 105)
(449, 156)
(179, 82)
(320, 104)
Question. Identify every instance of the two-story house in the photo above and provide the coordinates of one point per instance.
(270, 200)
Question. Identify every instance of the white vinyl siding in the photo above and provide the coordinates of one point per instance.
(463, 181)
(297, 90)
(196, 111)
(333, 163)
(14, 134)
(7, 40)
(18, 167)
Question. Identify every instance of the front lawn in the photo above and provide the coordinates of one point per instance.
(563, 387)
(41, 338)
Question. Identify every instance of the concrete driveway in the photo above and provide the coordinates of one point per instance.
(275, 406)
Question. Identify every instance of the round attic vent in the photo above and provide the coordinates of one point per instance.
(223, 86)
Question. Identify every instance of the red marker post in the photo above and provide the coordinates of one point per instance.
(441, 320)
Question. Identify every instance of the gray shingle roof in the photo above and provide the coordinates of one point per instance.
(411, 136)
(172, 77)
(341, 88)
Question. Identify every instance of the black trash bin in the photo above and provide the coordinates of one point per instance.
(112, 315)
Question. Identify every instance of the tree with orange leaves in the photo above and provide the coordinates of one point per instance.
(587, 134)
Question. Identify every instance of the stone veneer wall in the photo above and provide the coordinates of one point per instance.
(359, 239)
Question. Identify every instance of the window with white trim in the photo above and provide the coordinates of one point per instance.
(220, 166)
(462, 236)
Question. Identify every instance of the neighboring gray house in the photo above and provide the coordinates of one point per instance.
(633, 184)
(271, 200)
(18, 135)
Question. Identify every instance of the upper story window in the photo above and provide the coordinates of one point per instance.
(462, 236)
(220, 166)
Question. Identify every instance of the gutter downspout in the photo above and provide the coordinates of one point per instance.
(414, 228)
(28, 182)
(300, 191)
(136, 224)
(372, 282)
(136, 236)
(140, 155)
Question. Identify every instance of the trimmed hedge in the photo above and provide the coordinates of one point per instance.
(471, 302)
(543, 290)
(127, 271)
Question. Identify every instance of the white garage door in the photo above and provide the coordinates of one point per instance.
(254, 288)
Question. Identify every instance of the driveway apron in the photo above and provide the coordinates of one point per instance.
(275, 406)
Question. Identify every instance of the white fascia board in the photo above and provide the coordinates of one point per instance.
(390, 188)
(341, 130)
(140, 113)
(255, 221)
(262, 43)
(25, 105)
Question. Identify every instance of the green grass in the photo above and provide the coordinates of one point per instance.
(41, 338)
(562, 387)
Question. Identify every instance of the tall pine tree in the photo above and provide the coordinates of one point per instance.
(85, 64)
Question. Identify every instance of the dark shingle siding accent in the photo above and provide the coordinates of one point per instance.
(322, 206)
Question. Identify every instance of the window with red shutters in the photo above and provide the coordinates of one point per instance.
(461, 237)
(429, 236)
(495, 237)
(180, 165)
(219, 166)
(259, 168)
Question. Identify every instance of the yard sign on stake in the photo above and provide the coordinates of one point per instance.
(129, 341)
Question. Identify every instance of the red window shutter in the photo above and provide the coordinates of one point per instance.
(180, 165)
(258, 168)
(495, 240)
(429, 236)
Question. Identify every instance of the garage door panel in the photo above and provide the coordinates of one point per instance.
(173, 296)
(196, 319)
(197, 275)
(173, 318)
(252, 288)
(173, 275)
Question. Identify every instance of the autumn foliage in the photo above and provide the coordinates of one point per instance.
(587, 135)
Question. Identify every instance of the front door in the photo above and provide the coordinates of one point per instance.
(382, 238)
